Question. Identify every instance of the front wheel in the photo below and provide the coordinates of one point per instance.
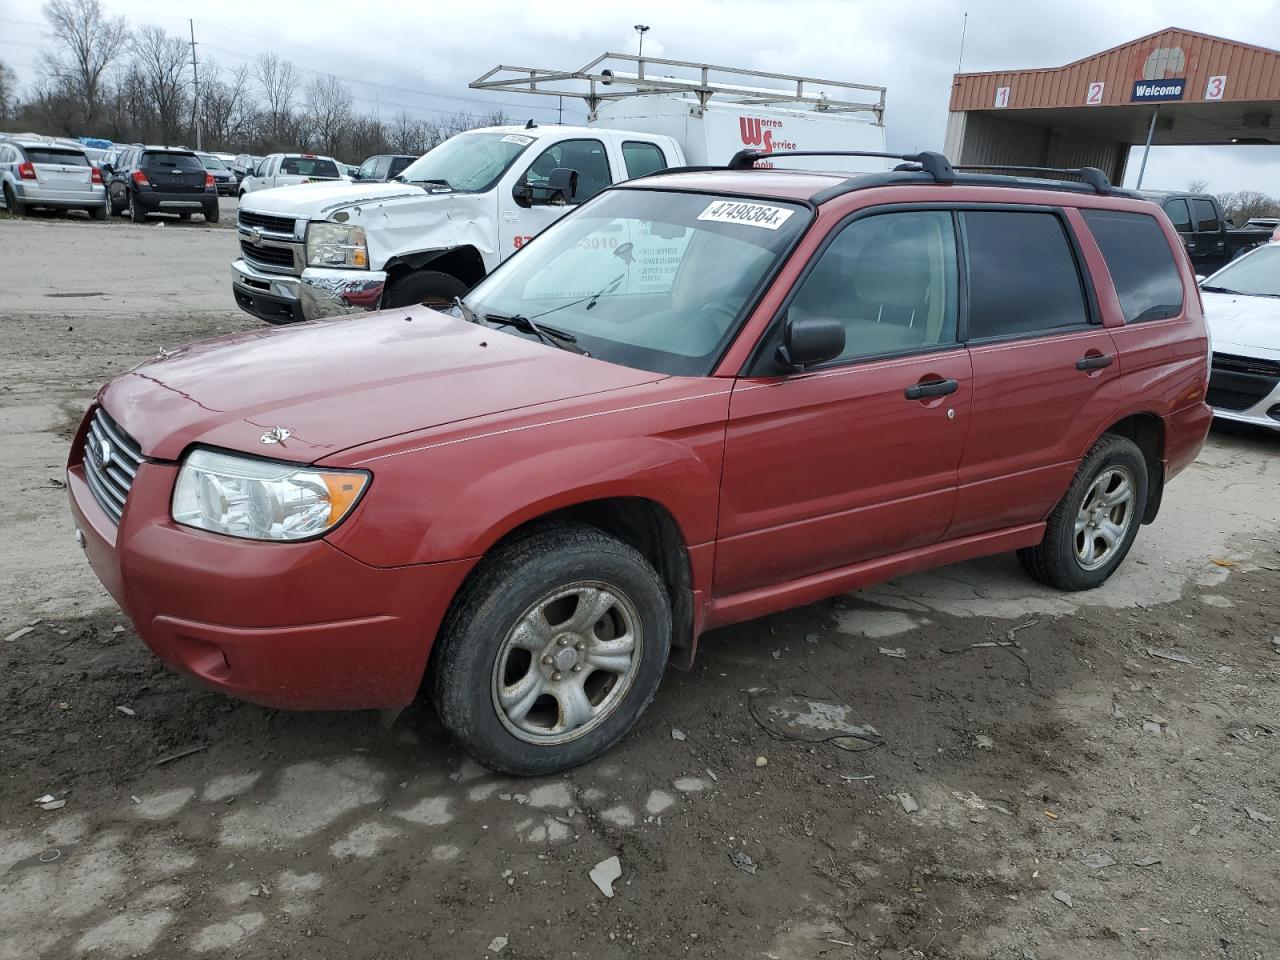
(551, 651)
(430, 287)
(1092, 528)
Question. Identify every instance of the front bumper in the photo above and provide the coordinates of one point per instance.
(299, 626)
(91, 195)
(226, 188)
(318, 293)
(1245, 397)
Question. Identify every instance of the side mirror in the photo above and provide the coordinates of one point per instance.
(562, 184)
(107, 168)
(811, 340)
(1231, 221)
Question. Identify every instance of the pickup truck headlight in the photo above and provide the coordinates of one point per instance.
(336, 245)
(262, 499)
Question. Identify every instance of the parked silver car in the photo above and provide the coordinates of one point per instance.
(38, 172)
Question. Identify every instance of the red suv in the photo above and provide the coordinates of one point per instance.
(702, 397)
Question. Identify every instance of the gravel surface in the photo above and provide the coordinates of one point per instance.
(1046, 781)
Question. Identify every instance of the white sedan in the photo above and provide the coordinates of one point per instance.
(1242, 305)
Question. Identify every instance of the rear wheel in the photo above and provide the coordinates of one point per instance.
(1092, 528)
(211, 214)
(12, 203)
(98, 213)
(552, 650)
(136, 213)
(430, 287)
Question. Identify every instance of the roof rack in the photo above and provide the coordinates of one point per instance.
(932, 163)
(1090, 175)
(616, 76)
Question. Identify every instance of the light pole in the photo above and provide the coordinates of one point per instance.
(642, 30)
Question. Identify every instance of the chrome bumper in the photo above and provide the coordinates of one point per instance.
(317, 293)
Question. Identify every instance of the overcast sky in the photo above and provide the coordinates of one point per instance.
(416, 55)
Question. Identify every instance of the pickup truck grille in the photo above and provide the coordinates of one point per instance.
(111, 460)
(265, 221)
(271, 257)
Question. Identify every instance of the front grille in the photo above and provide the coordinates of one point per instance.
(1231, 399)
(111, 459)
(1254, 365)
(266, 221)
(267, 256)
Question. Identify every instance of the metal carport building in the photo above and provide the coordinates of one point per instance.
(1176, 87)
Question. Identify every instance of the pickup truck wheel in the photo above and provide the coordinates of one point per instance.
(136, 213)
(551, 651)
(1094, 525)
(430, 287)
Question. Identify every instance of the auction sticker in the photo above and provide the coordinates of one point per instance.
(750, 214)
(516, 138)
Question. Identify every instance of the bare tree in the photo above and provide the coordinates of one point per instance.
(1197, 185)
(87, 42)
(367, 137)
(1243, 206)
(329, 112)
(8, 90)
(407, 134)
(280, 81)
(225, 104)
(161, 59)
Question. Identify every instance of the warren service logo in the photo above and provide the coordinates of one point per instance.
(1158, 89)
(757, 132)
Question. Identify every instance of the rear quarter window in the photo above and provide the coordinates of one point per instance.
(1140, 262)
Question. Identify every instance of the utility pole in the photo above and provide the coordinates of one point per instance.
(964, 28)
(195, 76)
(642, 30)
(560, 121)
(1146, 152)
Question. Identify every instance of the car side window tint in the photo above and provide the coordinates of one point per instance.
(1179, 214)
(642, 159)
(1140, 262)
(398, 165)
(891, 279)
(1023, 277)
(1206, 216)
(585, 156)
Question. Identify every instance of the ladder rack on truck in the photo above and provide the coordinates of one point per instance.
(617, 76)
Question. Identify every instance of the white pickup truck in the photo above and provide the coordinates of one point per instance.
(287, 169)
(465, 206)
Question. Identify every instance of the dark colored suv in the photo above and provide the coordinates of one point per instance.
(382, 167)
(161, 180)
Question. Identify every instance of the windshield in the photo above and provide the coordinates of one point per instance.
(211, 162)
(647, 279)
(472, 162)
(1256, 274)
(309, 167)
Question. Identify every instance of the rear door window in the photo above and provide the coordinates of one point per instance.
(1023, 277)
(1206, 217)
(308, 167)
(642, 159)
(1140, 262)
(67, 158)
(1179, 214)
(398, 164)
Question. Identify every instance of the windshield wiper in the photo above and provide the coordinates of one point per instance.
(1219, 289)
(548, 335)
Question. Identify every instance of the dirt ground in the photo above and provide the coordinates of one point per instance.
(1051, 784)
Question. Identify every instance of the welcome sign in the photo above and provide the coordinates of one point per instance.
(1158, 89)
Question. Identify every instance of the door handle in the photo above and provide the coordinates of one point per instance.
(930, 388)
(1095, 362)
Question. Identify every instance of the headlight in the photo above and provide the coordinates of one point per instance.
(336, 245)
(262, 499)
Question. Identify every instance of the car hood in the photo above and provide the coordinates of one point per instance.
(1243, 320)
(319, 199)
(339, 383)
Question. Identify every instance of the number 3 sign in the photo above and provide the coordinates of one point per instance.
(1215, 88)
(1094, 96)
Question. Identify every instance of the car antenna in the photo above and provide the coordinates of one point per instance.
(530, 125)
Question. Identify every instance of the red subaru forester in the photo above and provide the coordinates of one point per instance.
(701, 397)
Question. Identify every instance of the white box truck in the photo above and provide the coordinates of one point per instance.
(319, 250)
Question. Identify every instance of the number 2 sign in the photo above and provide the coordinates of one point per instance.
(1094, 97)
(1215, 88)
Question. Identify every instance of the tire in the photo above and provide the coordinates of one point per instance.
(13, 204)
(1063, 558)
(422, 286)
(211, 214)
(136, 213)
(98, 213)
(475, 656)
